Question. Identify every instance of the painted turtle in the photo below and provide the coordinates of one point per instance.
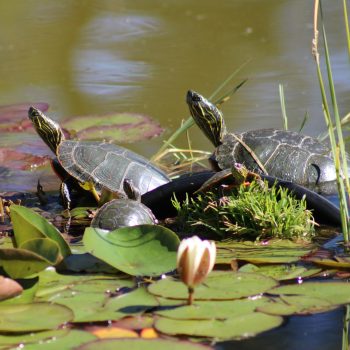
(237, 175)
(123, 212)
(283, 154)
(104, 165)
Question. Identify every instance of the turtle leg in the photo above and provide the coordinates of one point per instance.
(89, 186)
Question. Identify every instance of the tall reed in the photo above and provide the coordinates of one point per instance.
(335, 134)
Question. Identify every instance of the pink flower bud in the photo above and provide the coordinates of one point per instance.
(195, 260)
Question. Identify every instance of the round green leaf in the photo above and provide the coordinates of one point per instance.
(204, 310)
(27, 225)
(120, 127)
(19, 263)
(241, 326)
(47, 248)
(144, 250)
(141, 344)
(33, 317)
(218, 285)
(94, 307)
(281, 272)
(336, 293)
(49, 340)
(296, 305)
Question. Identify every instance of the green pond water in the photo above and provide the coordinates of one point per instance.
(92, 57)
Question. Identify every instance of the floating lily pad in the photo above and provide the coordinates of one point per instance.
(28, 225)
(218, 286)
(20, 263)
(271, 252)
(238, 327)
(92, 306)
(296, 305)
(144, 250)
(19, 160)
(47, 248)
(336, 293)
(94, 297)
(15, 117)
(141, 344)
(120, 127)
(51, 282)
(281, 272)
(33, 317)
(50, 340)
(207, 310)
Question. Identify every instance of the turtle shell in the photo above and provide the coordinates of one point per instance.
(107, 165)
(285, 154)
(120, 213)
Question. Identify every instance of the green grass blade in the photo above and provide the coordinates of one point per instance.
(346, 22)
(283, 107)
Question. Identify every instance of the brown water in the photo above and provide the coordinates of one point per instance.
(85, 57)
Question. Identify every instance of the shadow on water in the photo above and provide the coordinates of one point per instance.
(314, 332)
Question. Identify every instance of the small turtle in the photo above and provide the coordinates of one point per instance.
(96, 164)
(230, 178)
(123, 212)
(283, 154)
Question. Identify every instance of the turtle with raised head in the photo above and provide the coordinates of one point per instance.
(98, 164)
(283, 154)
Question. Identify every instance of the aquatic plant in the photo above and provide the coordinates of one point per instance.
(247, 212)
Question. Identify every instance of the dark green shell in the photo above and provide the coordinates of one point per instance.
(285, 154)
(120, 213)
(107, 165)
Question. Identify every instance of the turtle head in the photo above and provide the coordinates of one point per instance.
(50, 132)
(239, 172)
(207, 116)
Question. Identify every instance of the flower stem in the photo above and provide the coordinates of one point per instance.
(190, 296)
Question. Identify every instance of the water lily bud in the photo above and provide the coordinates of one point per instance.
(195, 260)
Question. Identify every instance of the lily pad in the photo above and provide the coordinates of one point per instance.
(15, 117)
(27, 225)
(238, 327)
(271, 252)
(281, 272)
(218, 286)
(141, 344)
(33, 317)
(143, 250)
(20, 263)
(51, 284)
(336, 293)
(207, 310)
(47, 248)
(50, 340)
(296, 305)
(120, 127)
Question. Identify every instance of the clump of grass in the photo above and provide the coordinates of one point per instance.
(247, 212)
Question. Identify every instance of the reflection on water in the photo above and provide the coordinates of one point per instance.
(92, 57)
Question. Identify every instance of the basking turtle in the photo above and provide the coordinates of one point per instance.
(237, 175)
(123, 212)
(99, 164)
(283, 154)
